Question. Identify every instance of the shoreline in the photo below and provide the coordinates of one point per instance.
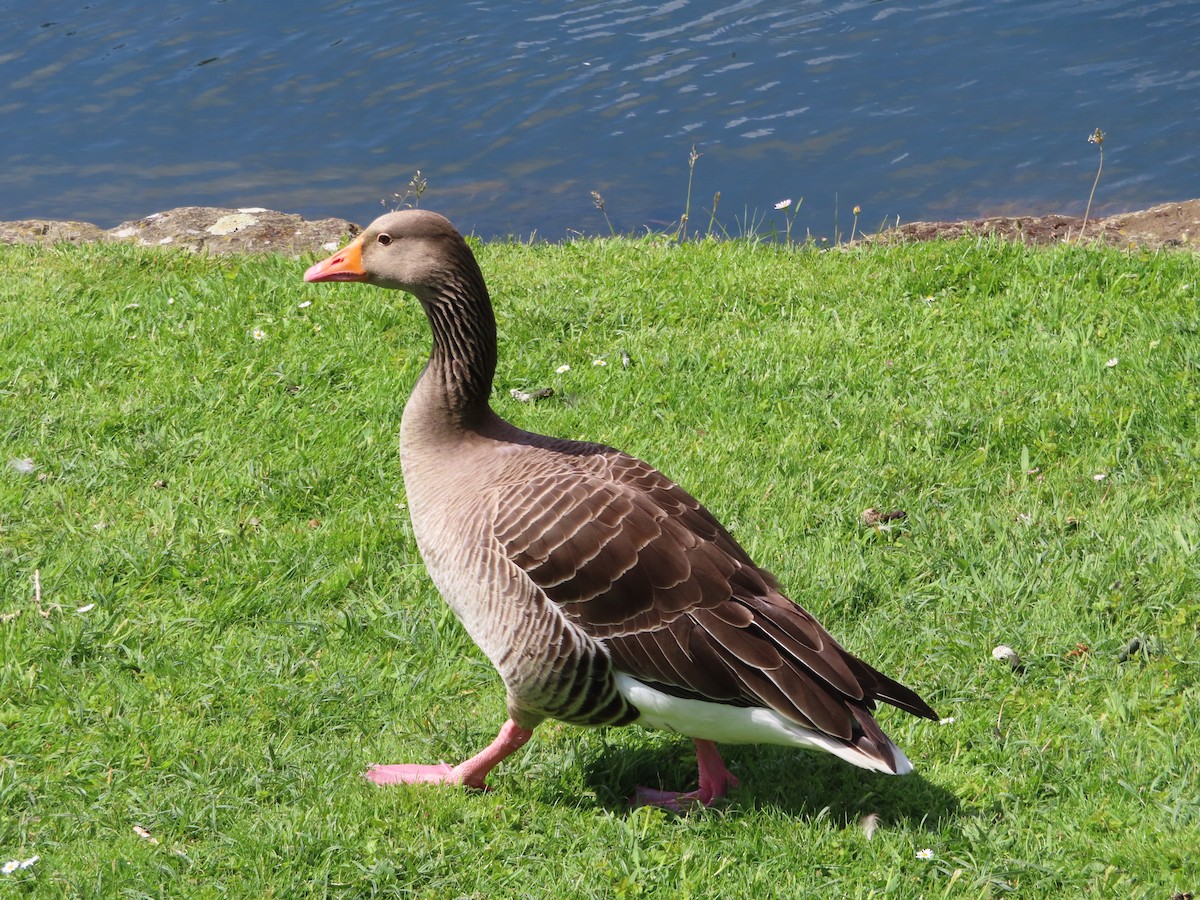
(222, 231)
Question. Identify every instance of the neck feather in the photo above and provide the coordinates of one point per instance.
(463, 362)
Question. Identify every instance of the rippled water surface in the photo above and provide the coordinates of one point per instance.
(516, 111)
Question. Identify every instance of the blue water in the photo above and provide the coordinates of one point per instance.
(516, 111)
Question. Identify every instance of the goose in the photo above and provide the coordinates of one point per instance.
(601, 591)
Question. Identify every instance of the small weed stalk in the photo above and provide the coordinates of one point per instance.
(1097, 138)
(411, 198)
(598, 202)
(687, 202)
(712, 219)
(854, 224)
(417, 185)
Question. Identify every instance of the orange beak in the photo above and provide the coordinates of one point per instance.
(345, 265)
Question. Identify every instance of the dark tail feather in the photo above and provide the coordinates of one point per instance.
(871, 740)
(879, 687)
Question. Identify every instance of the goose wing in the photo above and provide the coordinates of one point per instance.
(645, 569)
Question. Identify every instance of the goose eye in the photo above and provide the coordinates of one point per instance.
(385, 239)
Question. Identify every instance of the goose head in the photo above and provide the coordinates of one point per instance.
(412, 250)
(421, 253)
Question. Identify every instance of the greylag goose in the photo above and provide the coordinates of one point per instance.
(601, 591)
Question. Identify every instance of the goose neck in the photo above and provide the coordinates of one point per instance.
(462, 363)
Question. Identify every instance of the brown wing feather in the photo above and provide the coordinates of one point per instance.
(646, 570)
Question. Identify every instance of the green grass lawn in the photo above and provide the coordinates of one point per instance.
(198, 462)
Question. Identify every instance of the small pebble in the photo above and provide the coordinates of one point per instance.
(1005, 653)
(1134, 648)
(527, 396)
(873, 518)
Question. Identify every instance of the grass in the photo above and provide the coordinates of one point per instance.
(258, 625)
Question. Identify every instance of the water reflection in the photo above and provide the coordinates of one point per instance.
(516, 111)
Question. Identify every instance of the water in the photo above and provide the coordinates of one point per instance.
(516, 111)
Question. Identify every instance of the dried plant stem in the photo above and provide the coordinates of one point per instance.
(412, 194)
(687, 203)
(713, 215)
(598, 202)
(1097, 138)
(1088, 210)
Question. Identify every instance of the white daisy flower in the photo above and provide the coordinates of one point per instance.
(927, 853)
(258, 334)
(563, 369)
(784, 204)
(13, 864)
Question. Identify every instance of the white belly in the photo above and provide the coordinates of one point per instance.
(738, 725)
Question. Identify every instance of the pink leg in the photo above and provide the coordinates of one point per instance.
(715, 781)
(471, 773)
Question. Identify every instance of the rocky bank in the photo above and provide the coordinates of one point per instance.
(206, 229)
(217, 230)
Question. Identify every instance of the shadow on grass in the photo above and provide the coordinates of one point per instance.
(800, 783)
